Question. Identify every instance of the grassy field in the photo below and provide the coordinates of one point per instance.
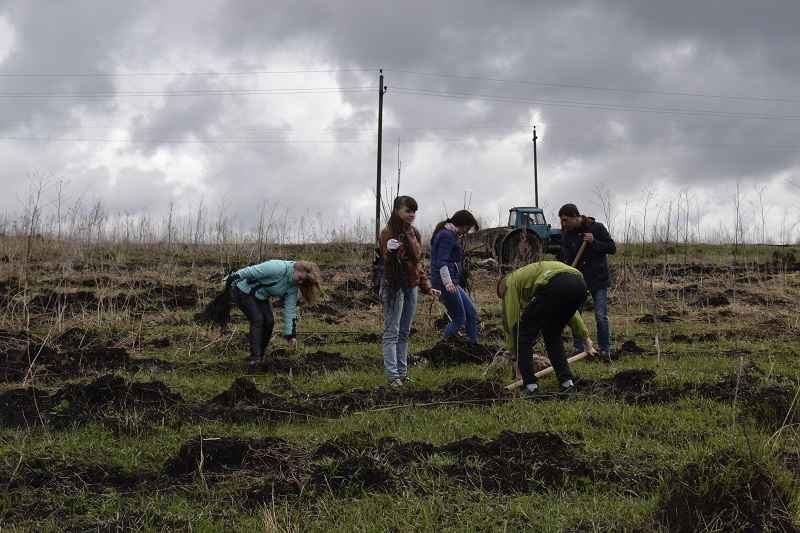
(119, 412)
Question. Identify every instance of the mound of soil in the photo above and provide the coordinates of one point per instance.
(457, 350)
(229, 454)
(177, 296)
(728, 491)
(356, 463)
(281, 361)
(16, 364)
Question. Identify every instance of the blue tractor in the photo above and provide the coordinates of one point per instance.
(507, 243)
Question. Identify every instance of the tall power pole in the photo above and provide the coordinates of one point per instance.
(381, 90)
(535, 172)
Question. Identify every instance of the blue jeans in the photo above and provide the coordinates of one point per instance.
(600, 301)
(397, 318)
(462, 313)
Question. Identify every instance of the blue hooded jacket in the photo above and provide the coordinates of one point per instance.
(272, 279)
(446, 251)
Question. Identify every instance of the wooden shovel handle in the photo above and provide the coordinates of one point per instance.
(580, 253)
(548, 370)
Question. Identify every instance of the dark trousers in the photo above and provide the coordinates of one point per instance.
(548, 313)
(262, 320)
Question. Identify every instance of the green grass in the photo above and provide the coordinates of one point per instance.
(672, 451)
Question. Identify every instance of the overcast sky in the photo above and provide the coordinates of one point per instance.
(234, 103)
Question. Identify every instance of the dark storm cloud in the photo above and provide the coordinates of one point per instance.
(624, 94)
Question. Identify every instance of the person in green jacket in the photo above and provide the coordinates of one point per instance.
(253, 288)
(543, 297)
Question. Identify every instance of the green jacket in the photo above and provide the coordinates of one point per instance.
(520, 288)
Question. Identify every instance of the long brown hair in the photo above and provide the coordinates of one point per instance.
(397, 272)
(398, 227)
(459, 218)
(311, 288)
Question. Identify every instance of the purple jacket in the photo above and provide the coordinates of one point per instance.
(446, 251)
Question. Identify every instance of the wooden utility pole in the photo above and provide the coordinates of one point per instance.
(381, 90)
(535, 172)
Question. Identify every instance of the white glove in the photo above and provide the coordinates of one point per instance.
(392, 244)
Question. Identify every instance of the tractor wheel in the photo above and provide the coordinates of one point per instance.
(515, 251)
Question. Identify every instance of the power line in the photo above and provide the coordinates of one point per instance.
(155, 74)
(166, 128)
(399, 71)
(291, 129)
(209, 92)
(409, 141)
(588, 105)
(594, 88)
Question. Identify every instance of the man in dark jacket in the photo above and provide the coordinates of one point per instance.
(593, 264)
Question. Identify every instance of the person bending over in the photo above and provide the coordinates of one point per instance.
(254, 287)
(543, 297)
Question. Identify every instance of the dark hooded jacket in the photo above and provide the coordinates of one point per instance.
(593, 263)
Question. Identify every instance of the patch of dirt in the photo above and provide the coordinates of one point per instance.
(729, 492)
(628, 347)
(110, 398)
(76, 338)
(282, 361)
(458, 350)
(72, 302)
(711, 300)
(76, 404)
(632, 380)
(351, 476)
(669, 316)
(225, 455)
(354, 463)
(43, 361)
(177, 296)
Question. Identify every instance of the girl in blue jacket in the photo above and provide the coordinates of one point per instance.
(447, 270)
(253, 287)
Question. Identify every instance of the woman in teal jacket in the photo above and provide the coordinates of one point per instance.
(254, 286)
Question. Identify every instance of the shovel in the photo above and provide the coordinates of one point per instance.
(576, 357)
(548, 370)
(580, 253)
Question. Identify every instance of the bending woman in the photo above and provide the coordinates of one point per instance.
(254, 286)
(446, 271)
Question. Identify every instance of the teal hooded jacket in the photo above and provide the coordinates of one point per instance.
(273, 279)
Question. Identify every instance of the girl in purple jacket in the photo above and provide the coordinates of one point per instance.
(447, 270)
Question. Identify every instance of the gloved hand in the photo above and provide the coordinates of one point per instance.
(392, 245)
(230, 279)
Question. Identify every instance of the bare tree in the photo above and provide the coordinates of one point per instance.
(222, 226)
(75, 213)
(60, 183)
(605, 201)
(683, 215)
(264, 225)
(763, 211)
(32, 205)
(647, 196)
(786, 228)
(199, 223)
(170, 224)
(96, 221)
(738, 219)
